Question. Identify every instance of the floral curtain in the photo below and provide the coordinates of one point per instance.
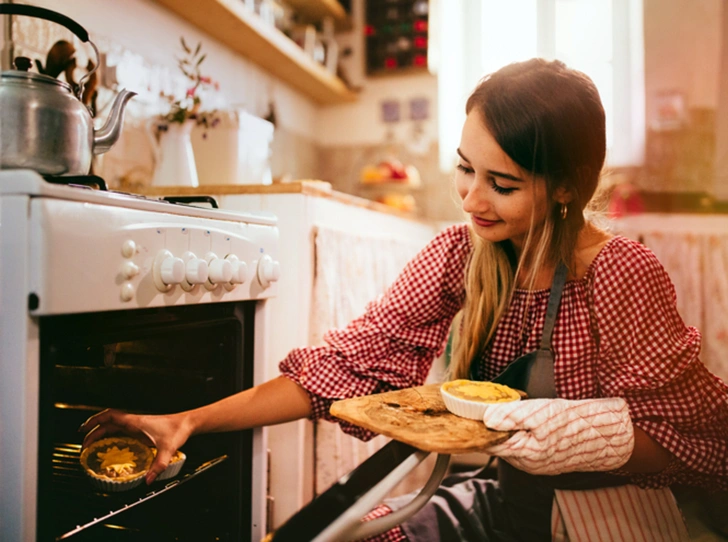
(351, 270)
(694, 251)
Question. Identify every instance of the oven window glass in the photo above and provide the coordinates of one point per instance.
(145, 361)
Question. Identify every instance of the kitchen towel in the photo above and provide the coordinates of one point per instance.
(625, 513)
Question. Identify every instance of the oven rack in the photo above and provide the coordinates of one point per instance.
(72, 489)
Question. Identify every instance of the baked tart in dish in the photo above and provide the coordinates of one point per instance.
(469, 398)
(175, 465)
(116, 463)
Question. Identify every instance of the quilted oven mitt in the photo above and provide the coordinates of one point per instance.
(557, 435)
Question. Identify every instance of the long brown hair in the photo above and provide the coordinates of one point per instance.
(550, 121)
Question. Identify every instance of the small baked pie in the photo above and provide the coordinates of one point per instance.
(175, 465)
(468, 398)
(116, 463)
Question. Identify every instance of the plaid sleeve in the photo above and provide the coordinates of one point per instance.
(392, 345)
(650, 357)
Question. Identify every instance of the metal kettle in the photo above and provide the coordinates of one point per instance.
(44, 126)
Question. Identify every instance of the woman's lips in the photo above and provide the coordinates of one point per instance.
(483, 222)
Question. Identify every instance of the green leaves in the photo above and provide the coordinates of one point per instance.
(190, 105)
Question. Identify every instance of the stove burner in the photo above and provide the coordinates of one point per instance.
(94, 182)
(81, 181)
(185, 200)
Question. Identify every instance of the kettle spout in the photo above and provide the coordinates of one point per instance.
(105, 138)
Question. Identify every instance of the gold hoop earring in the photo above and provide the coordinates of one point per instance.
(564, 211)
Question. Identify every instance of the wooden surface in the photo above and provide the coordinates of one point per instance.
(245, 33)
(307, 187)
(318, 9)
(418, 417)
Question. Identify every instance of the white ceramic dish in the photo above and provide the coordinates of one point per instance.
(174, 467)
(475, 408)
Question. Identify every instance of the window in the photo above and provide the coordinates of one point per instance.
(602, 38)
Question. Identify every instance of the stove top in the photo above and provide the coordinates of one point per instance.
(93, 189)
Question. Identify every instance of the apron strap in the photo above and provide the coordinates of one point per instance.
(557, 287)
(534, 372)
(540, 381)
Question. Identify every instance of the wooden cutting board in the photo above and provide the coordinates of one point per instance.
(418, 417)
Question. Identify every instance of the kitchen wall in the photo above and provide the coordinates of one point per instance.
(682, 59)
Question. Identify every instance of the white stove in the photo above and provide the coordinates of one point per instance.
(67, 250)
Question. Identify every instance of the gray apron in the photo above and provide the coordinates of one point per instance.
(472, 507)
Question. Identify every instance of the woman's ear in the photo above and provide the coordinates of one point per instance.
(562, 195)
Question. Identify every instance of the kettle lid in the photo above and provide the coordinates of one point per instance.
(19, 76)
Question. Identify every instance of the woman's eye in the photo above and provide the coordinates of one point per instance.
(465, 169)
(500, 189)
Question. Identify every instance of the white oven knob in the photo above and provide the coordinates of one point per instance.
(167, 270)
(128, 248)
(269, 270)
(221, 270)
(240, 269)
(196, 270)
(127, 291)
(172, 270)
(129, 270)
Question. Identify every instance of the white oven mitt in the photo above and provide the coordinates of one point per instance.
(558, 435)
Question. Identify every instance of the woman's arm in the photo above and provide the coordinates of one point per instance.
(647, 456)
(651, 358)
(277, 401)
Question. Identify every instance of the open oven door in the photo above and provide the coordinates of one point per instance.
(336, 514)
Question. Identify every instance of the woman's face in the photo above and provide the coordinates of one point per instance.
(497, 194)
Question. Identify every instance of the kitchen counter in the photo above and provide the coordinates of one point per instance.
(308, 187)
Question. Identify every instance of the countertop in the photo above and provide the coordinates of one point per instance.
(307, 187)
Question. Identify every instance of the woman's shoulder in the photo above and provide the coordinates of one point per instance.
(457, 232)
(624, 258)
(455, 237)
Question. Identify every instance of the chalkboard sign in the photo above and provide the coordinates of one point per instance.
(396, 36)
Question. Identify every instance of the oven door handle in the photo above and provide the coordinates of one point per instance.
(349, 526)
(336, 513)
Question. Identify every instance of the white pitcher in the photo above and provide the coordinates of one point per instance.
(174, 160)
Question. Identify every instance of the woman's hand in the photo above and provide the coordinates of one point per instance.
(556, 435)
(165, 432)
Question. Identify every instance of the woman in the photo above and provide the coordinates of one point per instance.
(531, 152)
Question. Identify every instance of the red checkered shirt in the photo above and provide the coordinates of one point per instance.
(618, 333)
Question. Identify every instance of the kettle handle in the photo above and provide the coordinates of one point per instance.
(49, 15)
(42, 13)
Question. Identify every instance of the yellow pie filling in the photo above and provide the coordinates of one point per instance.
(117, 459)
(482, 392)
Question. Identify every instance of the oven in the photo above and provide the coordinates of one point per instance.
(111, 300)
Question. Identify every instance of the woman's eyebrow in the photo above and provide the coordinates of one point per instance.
(492, 171)
(504, 175)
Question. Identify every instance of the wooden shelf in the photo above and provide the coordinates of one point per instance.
(229, 22)
(315, 10)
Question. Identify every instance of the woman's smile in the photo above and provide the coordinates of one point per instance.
(484, 222)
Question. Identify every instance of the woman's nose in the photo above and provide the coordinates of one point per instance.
(475, 199)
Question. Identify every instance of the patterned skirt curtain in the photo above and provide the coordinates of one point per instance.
(351, 270)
